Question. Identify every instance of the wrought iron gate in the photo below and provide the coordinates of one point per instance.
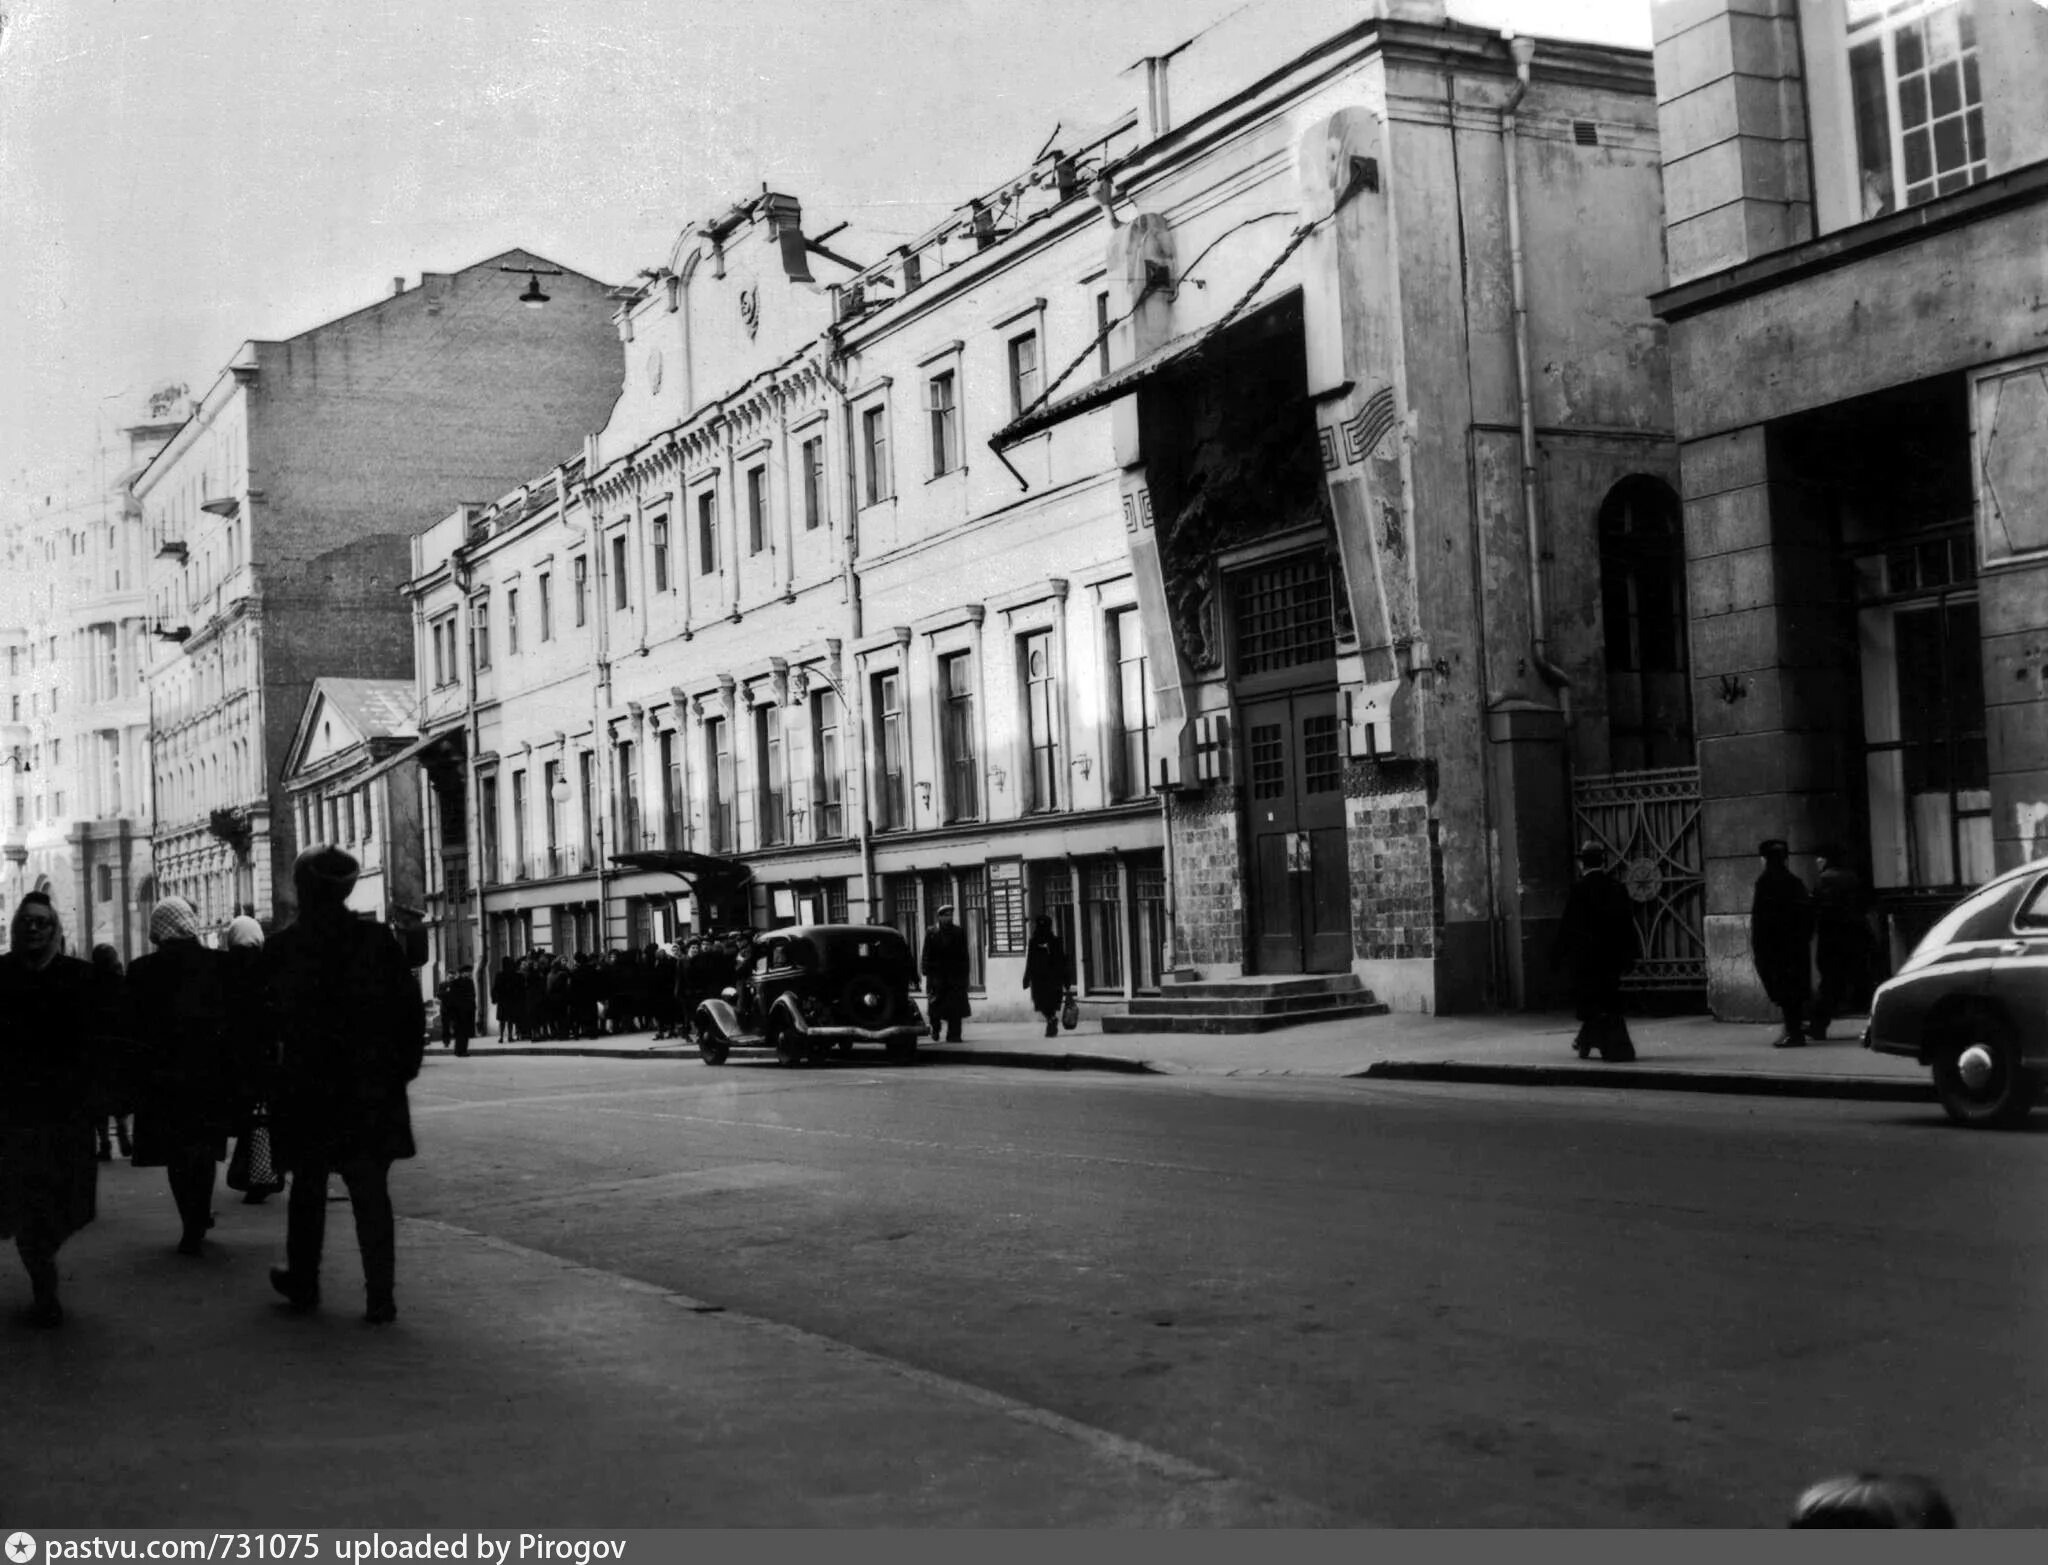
(1649, 822)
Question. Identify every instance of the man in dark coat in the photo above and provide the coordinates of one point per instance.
(1841, 939)
(49, 1176)
(1597, 944)
(458, 1011)
(945, 964)
(508, 992)
(1780, 938)
(352, 1031)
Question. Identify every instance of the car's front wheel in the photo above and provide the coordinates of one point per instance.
(790, 1046)
(1979, 1077)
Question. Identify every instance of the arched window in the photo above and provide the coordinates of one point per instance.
(1642, 603)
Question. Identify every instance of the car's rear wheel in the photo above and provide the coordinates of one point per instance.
(1978, 1074)
(868, 1000)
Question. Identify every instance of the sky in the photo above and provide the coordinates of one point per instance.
(178, 176)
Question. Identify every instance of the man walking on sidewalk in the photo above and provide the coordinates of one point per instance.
(1781, 938)
(1841, 939)
(1596, 944)
(352, 1030)
(945, 965)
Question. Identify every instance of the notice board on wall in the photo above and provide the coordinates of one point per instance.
(1006, 907)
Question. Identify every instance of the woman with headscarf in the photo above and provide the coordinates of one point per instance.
(110, 1108)
(49, 1178)
(1045, 972)
(252, 1048)
(185, 1079)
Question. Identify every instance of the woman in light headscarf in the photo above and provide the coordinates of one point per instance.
(253, 1046)
(178, 996)
(49, 1178)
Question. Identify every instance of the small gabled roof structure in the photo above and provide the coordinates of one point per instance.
(348, 720)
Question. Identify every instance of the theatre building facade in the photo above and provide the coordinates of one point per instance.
(1858, 204)
(1230, 538)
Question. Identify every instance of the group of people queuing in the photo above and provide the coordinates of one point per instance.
(1794, 933)
(558, 996)
(301, 1047)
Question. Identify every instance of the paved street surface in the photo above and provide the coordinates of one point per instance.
(648, 1292)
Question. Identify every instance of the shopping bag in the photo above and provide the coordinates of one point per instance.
(1070, 1012)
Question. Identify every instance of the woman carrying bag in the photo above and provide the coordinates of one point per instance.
(252, 1046)
(1045, 973)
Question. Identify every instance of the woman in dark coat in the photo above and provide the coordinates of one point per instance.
(49, 1178)
(252, 1047)
(508, 993)
(111, 1108)
(1045, 973)
(1597, 945)
(186, 1086)
(1781, 940)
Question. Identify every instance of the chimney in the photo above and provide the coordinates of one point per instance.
(397, 286)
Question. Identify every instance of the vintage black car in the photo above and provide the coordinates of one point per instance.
(812, 989)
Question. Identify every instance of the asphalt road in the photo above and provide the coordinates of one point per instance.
(1399, 1304)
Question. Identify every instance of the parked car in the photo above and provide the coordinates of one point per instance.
(1971, 1002)
(815, 988)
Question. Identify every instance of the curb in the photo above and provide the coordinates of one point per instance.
(1869, 1089)
(1026, 1059)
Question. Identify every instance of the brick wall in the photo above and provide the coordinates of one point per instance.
(1207, 835)
(1397, 881)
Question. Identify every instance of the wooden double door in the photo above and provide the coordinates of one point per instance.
(1300, 902)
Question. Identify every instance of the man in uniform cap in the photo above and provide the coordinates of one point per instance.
(1780, 939)
(1597, 944)
(945, 965)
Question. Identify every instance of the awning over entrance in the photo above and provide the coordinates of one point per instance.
(720, 874)
(1118, 383)
(447, 744)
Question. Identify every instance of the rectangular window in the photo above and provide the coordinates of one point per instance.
(480, 628)
(903, 912)
(551, 813)
(511, 622)
(1102, 333)
(757, 509)
(814, 483)
(586, 778)
(718, 802)
(892, 749)
(626, 758)
(958, 738)
(487, 790)
(774, 778)
(1102, 920)
(543, 585)
(972, 898)
(661, 556)
(440, 632)
(1283, 615)
(672, 790)
(1918, 110)
(874, 443)
(1130, 707)
(521, 870)
(579, 570)
(1041, 721)
(831, 769)
(620, 597)
(945, 419)
(707, 533)
(1024, 386)
(1148, 925)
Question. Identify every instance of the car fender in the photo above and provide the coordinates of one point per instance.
(718, 1017)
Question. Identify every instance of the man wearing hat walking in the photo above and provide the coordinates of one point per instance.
(1597, 945)
(1780, 937)
(348, 1016)
(945, 965)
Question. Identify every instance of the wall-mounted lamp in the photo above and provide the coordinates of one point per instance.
(17, 758)
(924, 795)
(1733, 688)
(533, 298)
(1086, 763)
(560, 792)
(997, 777)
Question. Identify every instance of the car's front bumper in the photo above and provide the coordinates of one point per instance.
(863, 1034)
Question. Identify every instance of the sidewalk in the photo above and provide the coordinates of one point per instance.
(517, 1390)
(1679, 1053)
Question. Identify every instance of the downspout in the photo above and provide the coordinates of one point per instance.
(1523, 49)
(849, 673)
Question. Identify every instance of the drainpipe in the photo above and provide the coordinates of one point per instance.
(1523, 49)
(849, 672)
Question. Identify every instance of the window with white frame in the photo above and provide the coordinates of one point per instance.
(1024, 372)
(707, 532)
(874, 447)
(757, 508)
(480, 628)
(814, 483)
(830, 777)
(580, 572)
(621, 598)
(892, 754)
(1130, 706)
(945, 422)
(958, 737)
(718, 793)
(1913, 87)
(511, 622)
(773, 781)
(661, 554)
(543, 585)
(1041, 720)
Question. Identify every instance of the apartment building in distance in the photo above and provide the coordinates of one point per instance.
(1857, 200)
(1203, 539)
(77, 811)
(280, 518)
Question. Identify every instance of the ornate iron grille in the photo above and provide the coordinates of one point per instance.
(1283, 615)
(1649, 822)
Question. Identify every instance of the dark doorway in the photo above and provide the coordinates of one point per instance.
(1294, 797)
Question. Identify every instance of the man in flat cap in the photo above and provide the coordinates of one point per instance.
(351, 1031)
(945, 965)
(1780, 940)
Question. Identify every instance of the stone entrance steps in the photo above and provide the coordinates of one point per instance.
(1228, 1005)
